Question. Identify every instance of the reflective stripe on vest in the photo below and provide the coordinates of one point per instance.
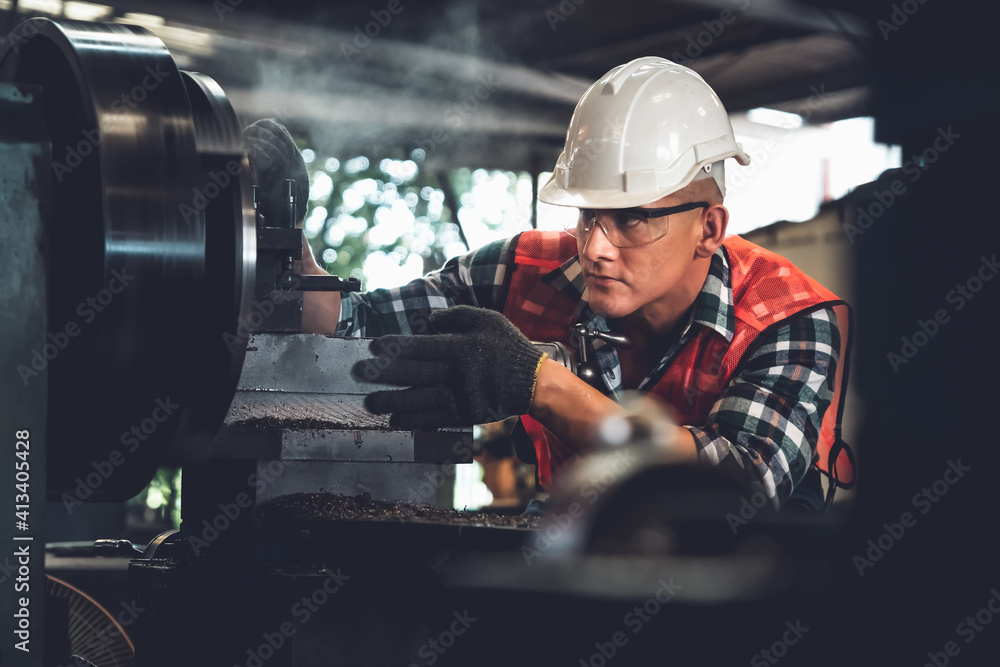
(767, 290)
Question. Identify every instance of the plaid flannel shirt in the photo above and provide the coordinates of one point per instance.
(765, 424)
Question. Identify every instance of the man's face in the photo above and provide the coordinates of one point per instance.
(621, 281)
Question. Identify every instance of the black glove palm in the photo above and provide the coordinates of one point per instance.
(478, 369)
(275, 157)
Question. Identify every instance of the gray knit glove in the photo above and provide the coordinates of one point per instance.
(275, 157)
(478, 368)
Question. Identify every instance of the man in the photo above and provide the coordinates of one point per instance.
(740, 343)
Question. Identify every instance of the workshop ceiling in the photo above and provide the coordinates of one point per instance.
(493, 84)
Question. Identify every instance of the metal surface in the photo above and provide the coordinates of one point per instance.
(298, 410)
(130, 264)
(296, 400)
(230, 250)
(301, 410)
(584, 332)
(378, 445)
(305, 363)
(406, 482)
(332, 444)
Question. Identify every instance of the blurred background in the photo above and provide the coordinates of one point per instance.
(427, 129)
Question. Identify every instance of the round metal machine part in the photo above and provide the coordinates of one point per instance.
(226, 194)
(162, 542)
(93, 635)
(631, 494)
(150, 260)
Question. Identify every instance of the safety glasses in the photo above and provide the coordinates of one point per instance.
(630, 227)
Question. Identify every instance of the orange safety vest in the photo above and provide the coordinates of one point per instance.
(767, 291)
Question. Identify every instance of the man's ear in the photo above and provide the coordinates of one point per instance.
(715, 220)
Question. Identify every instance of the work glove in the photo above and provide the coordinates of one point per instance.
(478, 368)
(275, 157)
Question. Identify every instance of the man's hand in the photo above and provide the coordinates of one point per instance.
(275, 157)
(479, 368)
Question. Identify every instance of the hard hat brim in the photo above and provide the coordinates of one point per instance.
(557, 195)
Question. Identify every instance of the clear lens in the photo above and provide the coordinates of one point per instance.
(623, 229)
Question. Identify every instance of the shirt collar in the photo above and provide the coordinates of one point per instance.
(713, 307)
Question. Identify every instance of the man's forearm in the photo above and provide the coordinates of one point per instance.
(568, 406)
(573, 410)
(320, 310)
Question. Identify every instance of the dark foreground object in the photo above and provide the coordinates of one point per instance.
(322, 507)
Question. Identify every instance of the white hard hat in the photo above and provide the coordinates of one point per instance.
(644, 130)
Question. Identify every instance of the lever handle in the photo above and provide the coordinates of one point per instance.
(613, 340)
